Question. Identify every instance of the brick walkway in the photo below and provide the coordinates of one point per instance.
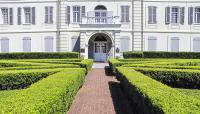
(101, 94)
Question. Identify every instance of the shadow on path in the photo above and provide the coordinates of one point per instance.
(120, 101)
(121, 104)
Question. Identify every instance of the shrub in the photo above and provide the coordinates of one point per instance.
(39, 55)
(22, 79)
(174, 78)
(87, 63)
(52, 95)
(149, 96)
(42, 67)
(185, 55)
(113, 63)
(133, 54)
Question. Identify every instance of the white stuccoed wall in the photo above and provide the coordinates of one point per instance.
(62, 42)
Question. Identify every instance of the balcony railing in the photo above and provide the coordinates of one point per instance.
(96, 17)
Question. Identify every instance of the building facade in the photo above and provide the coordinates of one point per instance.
(99, 29)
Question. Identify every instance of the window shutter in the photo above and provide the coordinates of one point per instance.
(154, 15)
(175, 44)
(167, 15)
(11, 16)
(152, 44)
(46, 15)
(4, 45)
(51, 15)
(122, 14)
(83, 11)
(109, 17)
(68, 14)
(75, 44)
(196, 44)
(48, 44)
(124, 44)
(19, 16)
(26, 44)
(1, 17)
(190, 15)
(149, 15)
(182, 15)
(127, 14)
(33, 15)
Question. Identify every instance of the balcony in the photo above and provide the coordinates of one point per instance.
(100, 19)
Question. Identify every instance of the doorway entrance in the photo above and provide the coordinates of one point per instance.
(100, 51)
(100, 47)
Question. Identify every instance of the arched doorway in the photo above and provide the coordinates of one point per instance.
(100, 47)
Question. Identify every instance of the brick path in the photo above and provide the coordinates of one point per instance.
(101, 94)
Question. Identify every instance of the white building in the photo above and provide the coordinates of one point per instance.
(99, 29)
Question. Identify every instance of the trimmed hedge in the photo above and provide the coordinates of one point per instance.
(42, 67)
(39, 55)
(175, 78)
(87, 63)
(52, 95)
(149, 96)
(22, 79)
(114, 63)
(147, 54)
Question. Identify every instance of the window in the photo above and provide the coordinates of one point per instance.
(68, 16)
(27, 44)
(75, 44)
(152, 15)
(124, 44)
(27, 14)
(100, 17)
(175, 44)
(48, 44)
(5, 15)
(76, 14)
(49, 15)
(152, 44)
(4, 45)
(197, 15)
(196, 44)
(125, 13)
(174, 15)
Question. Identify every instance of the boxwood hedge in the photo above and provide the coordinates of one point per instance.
(21, 79)
(148, 54)
(39, 55)
(48, 96)
(149, 96)
(174, 78)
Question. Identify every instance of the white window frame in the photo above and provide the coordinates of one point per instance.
(198, 39)
(27, 18)
(125, 14)
(196, 17)
(49, 15)
(27, 38)
(5, 17)
(5, 51)
(174, 20)
(152, 38)
(51, 38)
(175, 38)
(151, 9)
(76, 14)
